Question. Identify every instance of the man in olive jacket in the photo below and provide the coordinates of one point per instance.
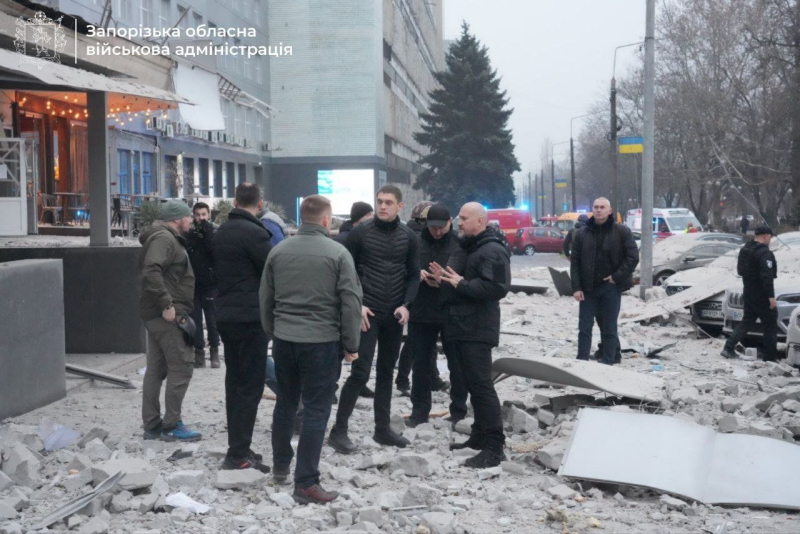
(167, 296)
(310, 299)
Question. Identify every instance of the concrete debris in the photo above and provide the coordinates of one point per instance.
(238, 478)
(97, 451)
(138, 473)
(284, 500)
(730, 405)
(17, 500)
(5, 481)
(546, 417)
(686, 395)
(94, 526)
(731, 423)
(344, 519)
(439, 522)
(491, 472)
(372, 514)
(188, 479)
(513, 467)
(522, 421)
(465, 426)
(397, 424)
(389, 499)
(413, 465)
(552, 454)
(95, 433)
(365, 526)
(7, 511)
(418, 494)
(673, 503)
(562, 492)
(22, 465)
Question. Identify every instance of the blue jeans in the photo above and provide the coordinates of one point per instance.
(310, 371)
(602, 302)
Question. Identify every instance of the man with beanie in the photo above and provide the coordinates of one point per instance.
(166, 301)
(241, 246)
(386, 256)
(198, 245)
(311, 306)
(359, 212)
(758, 268)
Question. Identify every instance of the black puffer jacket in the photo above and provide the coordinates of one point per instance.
(387, 260)
(241, 246)
(566, 248)
(621, 250)
(758, 268)
(415, 226)
(344, 231)
(198, 245)
(474, 306)
(428, 306)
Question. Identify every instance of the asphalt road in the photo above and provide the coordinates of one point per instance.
(540, 259)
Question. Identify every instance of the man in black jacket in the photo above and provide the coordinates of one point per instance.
(198, 245)
(419, 217)
(476, 278)
(758, 268)
(437, 242)
(566, 247)
(385, 254)
(241, 246)
(604, 255)
(359, 212)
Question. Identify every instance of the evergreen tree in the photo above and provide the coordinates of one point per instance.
(471, 153)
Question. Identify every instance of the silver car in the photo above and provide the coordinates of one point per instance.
(787, 295)
(688, 251)
(793, 339)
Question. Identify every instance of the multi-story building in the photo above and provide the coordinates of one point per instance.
(349, 98)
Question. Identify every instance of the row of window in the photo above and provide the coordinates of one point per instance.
(158, 13)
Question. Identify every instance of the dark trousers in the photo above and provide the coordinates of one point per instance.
(757, 307)
(422, 340)
(387, 334)
(406, 363)
(475, 362)
(602, 303)
(204, 305)
(306, 371)
(245, 368)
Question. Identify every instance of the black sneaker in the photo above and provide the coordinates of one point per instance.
(471, 443)
(440, 385)
(391, 438)
(244, 463)
(281, 473)
(486, 458)
(413, 422)
(155, 433)
(404, 392)
(728, 353)
(366, 393)
(340, 442)
(255, 455)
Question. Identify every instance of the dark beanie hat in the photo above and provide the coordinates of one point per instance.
(358, 210)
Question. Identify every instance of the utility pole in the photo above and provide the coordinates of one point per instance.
(553, 182)
(535, 197)
(541, 190)
(648, 158)
(613, 145)
(530, 204)
(572, 172)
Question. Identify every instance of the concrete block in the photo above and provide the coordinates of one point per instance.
(238, 479)
(413, 465)
(138, 473)
(418, 494)
(686, 395)
(491, 472)
(188, 479)
(673, 503)
(562, 492)
(22, 465)
(551, 454)
(284, 500)
(522, 421)
(95, 433)
(465, 426)
(546, 417)
(372, 514)
(439, 522)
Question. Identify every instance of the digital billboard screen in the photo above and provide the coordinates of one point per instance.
(345, 186)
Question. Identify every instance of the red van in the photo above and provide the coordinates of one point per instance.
(511, 220)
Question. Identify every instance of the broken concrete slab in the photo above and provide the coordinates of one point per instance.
(97, 451)
(522, 421)
(583, 374)
(731, 423)
(562, 492)
(138, 473)
(413, 465)
(190, 479)
(491, 472)
(238, 478)
(5, 481)
(417, 494)
(686, 395)
(94, 526)
(7, 511)
(22, 465)
(673, 503)
(679, 301)
(95, 433)
(80, 502)
(529, 287)
(439, 522)
(683, 458)
(552, 454)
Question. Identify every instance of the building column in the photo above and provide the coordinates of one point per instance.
(99, 186)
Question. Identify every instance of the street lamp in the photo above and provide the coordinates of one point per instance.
(572, 157)
(553, 173)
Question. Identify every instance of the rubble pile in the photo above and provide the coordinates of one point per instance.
(169, 487)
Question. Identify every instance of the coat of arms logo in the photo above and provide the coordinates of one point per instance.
(39, 39)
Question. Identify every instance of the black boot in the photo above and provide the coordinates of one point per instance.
(366, 393)
(199, 358)
(486, 458)
(387, 436)
(340, 442)
(477, 444)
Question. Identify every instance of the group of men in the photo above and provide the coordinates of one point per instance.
(322, 301)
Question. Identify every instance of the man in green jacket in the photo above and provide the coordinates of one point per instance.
(310, 300)
(165, 304)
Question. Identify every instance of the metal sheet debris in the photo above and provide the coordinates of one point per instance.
(99, 375)
(583, 374)
(683, 458)
(678, 301)
(529, 287)
(76, 504)
(562, 282)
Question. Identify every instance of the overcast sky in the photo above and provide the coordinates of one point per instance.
(554, 58)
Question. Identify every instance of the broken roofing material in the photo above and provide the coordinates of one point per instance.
(79, 503)
(583, 374)
(683, 458)
(528, 287)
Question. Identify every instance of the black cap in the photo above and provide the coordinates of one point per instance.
(358, 210)
(438, 215)
(764, 230)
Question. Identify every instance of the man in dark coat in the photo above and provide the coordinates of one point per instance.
(385, 254)
(359, 213)
(758, 268)
(241, 245)
(198, 245)
(604, 255)
(477, 277)
(437, 242)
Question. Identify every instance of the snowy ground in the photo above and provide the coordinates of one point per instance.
(376, 481)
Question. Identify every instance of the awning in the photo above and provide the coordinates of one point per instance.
(201, 86)
(233, 93)
(138, 96)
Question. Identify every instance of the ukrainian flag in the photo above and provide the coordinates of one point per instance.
(631, 145)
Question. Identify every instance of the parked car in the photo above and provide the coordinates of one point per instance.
(787, 295)
(531, 240)
(687, 251)
(793, 339)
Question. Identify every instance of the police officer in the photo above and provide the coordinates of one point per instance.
(758, 269)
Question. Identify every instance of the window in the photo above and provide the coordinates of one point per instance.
(124, 171)
(171, 176)
(198, 19)
(218, 178)
(259, 132)
(237, 121)
(246, 8)
(237, 60)
(137, 175)
(259, 77)
(257, 12)
(146, 13)
(554, 233)
(230, 179)
(242, 172)
(246, 63)
(183, 15)
(224, 106)
(149, 184)
(124, 10)
(541, 232)
(204, 176)
(248, 133)
(188, 177)
(165, 14)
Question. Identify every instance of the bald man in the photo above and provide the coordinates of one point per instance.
(604, 255)
(476, 278)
